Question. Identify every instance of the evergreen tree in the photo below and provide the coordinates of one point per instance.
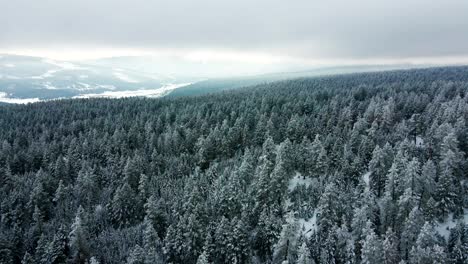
(412, 176)
(426, 183)
(286, 247)
(124, 207)
(93, 260)
(246, 170)
(239, 241)
(446, 193)
(304, 255)
(27, 259)
(268, 231)
(328, 208)
(371, 247)
(202, 259)
(390, 247)
(279, 178)
(137, 256)
(40, 253)
(152, 244)
(78, 239)
(60, 201)
(57, 250)
(155, 213)
(422, 251)
(378, 167)
(410, 232)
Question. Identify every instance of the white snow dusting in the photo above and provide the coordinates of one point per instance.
(11, 77)
(153, 93)
(444, 228)
(4, 99)
(61, 67)
(49, 86)
(297, 180)
(64, 65)
(48, 74)
(124, 77)
(366, 179)
(106, 86)
(308, 226)
(84, 87)
(419, 141)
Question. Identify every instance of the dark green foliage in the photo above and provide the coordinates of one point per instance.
(222, 178)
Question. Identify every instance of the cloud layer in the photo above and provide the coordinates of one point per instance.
(300, 29)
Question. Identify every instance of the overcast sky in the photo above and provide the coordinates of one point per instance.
(433, 31)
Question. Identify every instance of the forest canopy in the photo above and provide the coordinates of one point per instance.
(356, 168)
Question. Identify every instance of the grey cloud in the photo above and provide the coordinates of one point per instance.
(299, 28)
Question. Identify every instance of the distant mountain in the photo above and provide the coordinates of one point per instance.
(29, 79)
(189, 69)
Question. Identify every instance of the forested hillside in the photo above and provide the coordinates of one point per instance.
(224, 84)
(358, 168)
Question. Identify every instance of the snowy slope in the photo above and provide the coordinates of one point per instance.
(29, 79)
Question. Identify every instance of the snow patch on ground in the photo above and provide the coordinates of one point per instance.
(124, 77)
(85, 86)
(419, 141)
(61, 67)
(9, 65)
(106, 86)
(81, 86)
(444, 228)
(308, 226)
(49, 86)
(48, 74)
(366, 179)
(297, 180)
(64, 65)
(4, 99)
(11, 77)
(152, 93)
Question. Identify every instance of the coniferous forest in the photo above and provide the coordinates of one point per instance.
(356, 168)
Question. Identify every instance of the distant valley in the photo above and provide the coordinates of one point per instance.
(26, 79)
